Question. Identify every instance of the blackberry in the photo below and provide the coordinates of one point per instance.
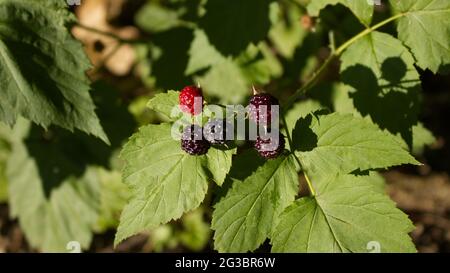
(270, 147)
(260, 114)
(187, 98)
(215, 131)
(192, 141)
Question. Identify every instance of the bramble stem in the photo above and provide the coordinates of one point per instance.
(311, 82)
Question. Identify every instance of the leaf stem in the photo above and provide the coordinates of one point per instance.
(366, 32)
(311, 189)
(311, 82)
(288, 134)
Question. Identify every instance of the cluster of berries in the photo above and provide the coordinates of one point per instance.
(196, 140)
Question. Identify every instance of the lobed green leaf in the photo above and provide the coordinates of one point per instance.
(346, 215)
(43, 68)
(244, 218)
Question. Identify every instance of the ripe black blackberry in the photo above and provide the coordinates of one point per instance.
(260, 108)
(215, 131)
(269, 146)
(193, 142)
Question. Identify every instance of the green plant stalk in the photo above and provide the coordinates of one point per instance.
(312, 81)
(336, 53)
(288, 134)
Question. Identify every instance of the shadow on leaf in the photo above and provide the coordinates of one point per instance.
(60, 154)
(393, 104)
(303, 137)
(243, 166)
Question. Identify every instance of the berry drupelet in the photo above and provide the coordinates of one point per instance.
(187, 98)
(260, 108)
(192, 141)
(270, 147)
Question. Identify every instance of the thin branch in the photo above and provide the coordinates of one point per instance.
(312, 81)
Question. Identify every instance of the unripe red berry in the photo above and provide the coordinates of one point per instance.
(187, 99)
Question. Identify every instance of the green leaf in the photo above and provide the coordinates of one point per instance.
(225, 21)
(202, 54)
(301, 110)
(229, 79)
(43, 68)
(425, 29)
(422, 137)
(339, 143)
(243, 219)
(259, 64)
(54, 189)
(165, 181)
(361, 8)
(51, 215)
(196, 232)
(5, 149)
(219, 163)
(346, 215)
(373, 178)
(226, 81)
(156, 18)
(286, 33)
(113, 197)
(384, 84)
(165, 104)
(3, 185)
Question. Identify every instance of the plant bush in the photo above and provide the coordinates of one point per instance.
(355, 114)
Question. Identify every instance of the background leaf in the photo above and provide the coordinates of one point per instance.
(43, 68)
(224, 21)
(286, 33)
(362, 9)
(422, 137)
(50, 215)
(54, 178)
(156, 18)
